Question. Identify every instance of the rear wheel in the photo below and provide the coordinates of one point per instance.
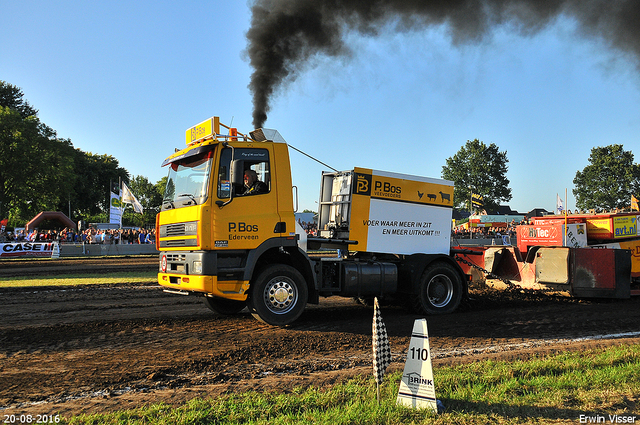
(278, 295)
(440, 290)
(224, 306)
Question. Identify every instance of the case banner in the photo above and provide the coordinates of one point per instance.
(28, 249)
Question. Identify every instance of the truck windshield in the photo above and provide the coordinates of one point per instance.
(188, 181)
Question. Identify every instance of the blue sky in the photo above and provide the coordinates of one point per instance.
(128, 78)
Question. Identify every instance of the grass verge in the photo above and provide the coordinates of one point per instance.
(80, 279)
(565, 388)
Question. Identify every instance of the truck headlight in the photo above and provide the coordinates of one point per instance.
(197, 267)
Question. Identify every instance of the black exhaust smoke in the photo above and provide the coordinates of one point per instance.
(285, 34)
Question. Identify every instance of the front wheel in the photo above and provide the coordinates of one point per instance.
(440, 290)
(278, 295)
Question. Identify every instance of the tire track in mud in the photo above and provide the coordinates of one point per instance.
(101, 344)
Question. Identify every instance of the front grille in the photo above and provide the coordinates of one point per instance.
(176, 242)
(174, 230)
(179, 242)
(189, 228)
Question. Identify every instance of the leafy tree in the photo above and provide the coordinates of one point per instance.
(40, 172)
(609, 181)
(12, 97)
(35, 173)
(95, 174)
(480, 169)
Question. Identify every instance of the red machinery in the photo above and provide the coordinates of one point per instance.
(581, 255)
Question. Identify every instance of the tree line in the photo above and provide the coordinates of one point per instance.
(41, 172)
(607, 183)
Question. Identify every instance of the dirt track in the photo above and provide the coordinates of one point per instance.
(104, 348)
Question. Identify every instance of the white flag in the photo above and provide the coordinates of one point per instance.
(128, 198)
(559, 205)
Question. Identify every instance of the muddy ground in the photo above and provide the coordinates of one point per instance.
(103, 348)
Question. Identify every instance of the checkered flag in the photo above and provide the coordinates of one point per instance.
(381, 349)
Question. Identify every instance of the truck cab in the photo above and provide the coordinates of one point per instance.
(214, 237)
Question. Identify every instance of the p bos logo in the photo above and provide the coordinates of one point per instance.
(363, 184)
(387, 187)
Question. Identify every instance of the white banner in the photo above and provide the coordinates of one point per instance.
(28, 249)
(408, 228)
(115, 209)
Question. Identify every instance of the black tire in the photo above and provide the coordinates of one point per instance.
(223, 306)
(440, 290)
(278, 295)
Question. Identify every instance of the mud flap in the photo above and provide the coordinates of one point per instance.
(552, 265)
(504, 262)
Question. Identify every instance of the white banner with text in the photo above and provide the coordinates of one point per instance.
(28, 249)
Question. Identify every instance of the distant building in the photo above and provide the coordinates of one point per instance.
(460, 214)
(504, 216)
(537, 212)
(506, 210)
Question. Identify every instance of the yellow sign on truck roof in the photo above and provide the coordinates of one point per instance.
(207, 128)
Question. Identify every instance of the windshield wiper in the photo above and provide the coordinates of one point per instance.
(190, 196)
(166, 201)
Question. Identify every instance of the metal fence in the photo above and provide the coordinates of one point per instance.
(79, 250)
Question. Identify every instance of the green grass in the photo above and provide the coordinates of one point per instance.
(553, 389)
(80, 279)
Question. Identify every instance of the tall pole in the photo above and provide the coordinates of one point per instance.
(566, 206)
(470, 212)
(120, 199)
(109, 201)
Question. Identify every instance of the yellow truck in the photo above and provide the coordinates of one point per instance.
(227, 232)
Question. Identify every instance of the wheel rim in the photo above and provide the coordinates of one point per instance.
(280, 295)
(440, 290)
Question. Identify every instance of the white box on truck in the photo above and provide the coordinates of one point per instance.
(387, 212)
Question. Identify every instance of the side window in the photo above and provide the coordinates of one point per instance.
(224, 174)
(245, 171)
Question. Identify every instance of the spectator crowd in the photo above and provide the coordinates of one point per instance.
(90, 236)
(487, 232)
(309, 227)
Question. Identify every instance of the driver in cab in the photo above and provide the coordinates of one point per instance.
(253, 186)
